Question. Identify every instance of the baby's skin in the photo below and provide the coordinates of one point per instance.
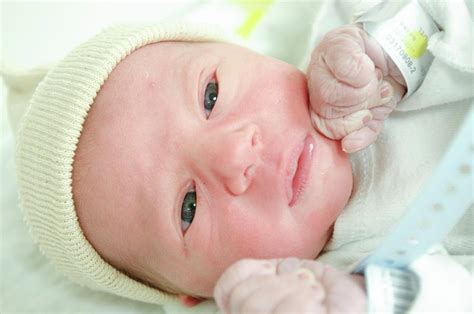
(353, 87)
(187, 159)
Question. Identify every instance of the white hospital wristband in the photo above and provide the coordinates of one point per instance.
(390, 290)
(404, 37)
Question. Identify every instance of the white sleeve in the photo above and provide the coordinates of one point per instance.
(451, 75)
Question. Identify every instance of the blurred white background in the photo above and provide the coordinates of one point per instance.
(36, 32)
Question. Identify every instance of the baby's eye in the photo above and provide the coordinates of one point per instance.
(188, 210)
(210, 97)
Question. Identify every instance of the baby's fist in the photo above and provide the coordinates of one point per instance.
(288, 285)
(353, 86)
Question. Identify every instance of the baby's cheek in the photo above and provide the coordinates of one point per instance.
(241, 234)
(259, 233)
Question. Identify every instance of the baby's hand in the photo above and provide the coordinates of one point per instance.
(353, 86)
(288, 285)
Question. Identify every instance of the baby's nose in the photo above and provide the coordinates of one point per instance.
(237, 157)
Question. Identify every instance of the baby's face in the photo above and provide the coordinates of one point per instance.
(187, 163)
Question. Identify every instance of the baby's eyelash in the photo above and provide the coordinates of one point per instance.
(188, 209)
(207, 76)
(211, 95)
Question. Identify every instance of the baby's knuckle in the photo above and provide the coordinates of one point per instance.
(329, 90)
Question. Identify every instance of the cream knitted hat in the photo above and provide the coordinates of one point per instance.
(46, 143)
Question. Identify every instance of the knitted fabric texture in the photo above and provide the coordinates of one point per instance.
(47, 140)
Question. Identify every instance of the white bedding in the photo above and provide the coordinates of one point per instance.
(34, 34)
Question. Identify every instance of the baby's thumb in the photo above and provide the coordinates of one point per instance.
(339, 128)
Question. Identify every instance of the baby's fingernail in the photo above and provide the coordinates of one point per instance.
(366, 119)
(351, 146)
(305, 274)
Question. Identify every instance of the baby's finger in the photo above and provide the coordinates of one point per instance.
(288, 265)
(317, 268)
(328, 111)
(382, 96)
(237, 273)
(325, 89)
(266, 293)
(346, 58)
(341, 127)
(359, 139)
(307, 300)
(257, 293)
(381, 113)
(376, 126)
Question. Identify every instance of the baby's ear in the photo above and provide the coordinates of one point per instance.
(189, 301)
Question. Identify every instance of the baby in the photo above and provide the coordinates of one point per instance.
(207, 172)
(184, 154)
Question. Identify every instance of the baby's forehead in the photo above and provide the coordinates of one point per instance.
(171, 49)
(175, 52)
(162, 58)
(156, 62)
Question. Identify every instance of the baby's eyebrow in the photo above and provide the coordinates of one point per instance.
(190, 73)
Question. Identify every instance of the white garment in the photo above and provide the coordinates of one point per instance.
(388, 175)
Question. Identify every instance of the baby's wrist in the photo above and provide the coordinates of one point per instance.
(380, 57)
(404, 36)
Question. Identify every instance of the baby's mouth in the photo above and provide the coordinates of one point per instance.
(299, 170)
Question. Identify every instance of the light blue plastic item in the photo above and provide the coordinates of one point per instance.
(435, 211)
(391, 285)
